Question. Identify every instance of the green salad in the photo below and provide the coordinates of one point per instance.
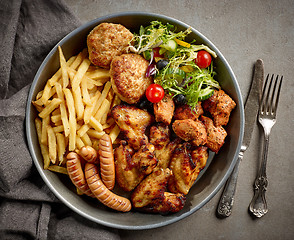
(182, 69)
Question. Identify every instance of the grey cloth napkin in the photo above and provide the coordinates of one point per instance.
(28, 209)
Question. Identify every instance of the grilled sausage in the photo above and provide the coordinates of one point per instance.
(102, 193)
(107, 168)
(75, 172)
(89, 154)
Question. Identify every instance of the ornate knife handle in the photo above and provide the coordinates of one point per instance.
(226, 202)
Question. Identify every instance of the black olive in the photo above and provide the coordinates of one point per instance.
(180, 99)
(145, 104)
(161, 64)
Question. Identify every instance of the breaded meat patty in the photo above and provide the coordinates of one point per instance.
(128, 77)
(106, 41)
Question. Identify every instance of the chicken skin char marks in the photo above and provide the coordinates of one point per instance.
(186, 164)
(151, 194)
(130, 167)
(132, 122)
(164, 147)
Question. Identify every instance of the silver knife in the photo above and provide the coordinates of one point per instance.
(226, 202)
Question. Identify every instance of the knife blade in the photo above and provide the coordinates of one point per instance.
(252, 102)
(226, 202)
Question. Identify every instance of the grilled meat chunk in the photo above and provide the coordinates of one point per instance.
(190, 130)
(164, 110)
(215, 135)
(130, 167)
(186, 112)
(160, 138)
(219, 105)
(132, 122)
(186, 165)
(128, 77)
(151, 194)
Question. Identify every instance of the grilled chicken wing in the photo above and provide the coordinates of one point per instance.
(144, 159)
(160, 138)
(126, 175)
(215, 135)
(186, 112)
(219, 105)
(186, 165)
(190, 130)
(151, 194)
(199, 157)
(132, 122)
(164, 110)
(130, 167)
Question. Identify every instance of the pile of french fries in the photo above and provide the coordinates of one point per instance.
(73, 110)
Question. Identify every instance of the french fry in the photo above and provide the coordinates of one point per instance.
(80, 57)
(52, 144)
(39, 95)
(48, 92)
(104, 93)
(63, 112)
(38, 105)
(63, 66)
(85, 93)
(93, 82)
(80, 73)
(72, 119)
(49, 108)
(58, 129)
(45, 124)
(79, 142)
(60, 147)
(99, 73)
(58, 74)
(56, 118)
(114, 133)
(102, 110)
(83, 129)
(95, 124)
(44, 148)
(86, 139)
(95, 134)
(58, 169)
(89, 109)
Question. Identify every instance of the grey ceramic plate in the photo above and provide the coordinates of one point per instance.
(212, 178)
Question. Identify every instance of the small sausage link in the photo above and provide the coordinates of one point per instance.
(102, 193)
(107, 167)
(76, 174)
(89, 154)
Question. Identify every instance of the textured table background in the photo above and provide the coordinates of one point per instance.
(243, 31)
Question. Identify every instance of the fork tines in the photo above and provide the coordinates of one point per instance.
(268, 92)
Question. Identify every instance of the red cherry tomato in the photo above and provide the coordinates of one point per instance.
(154, 93)
(203, 59)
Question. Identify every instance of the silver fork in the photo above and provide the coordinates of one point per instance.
(267, 118)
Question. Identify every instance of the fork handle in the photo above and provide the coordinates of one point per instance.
(226, 202)
(258, 205)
